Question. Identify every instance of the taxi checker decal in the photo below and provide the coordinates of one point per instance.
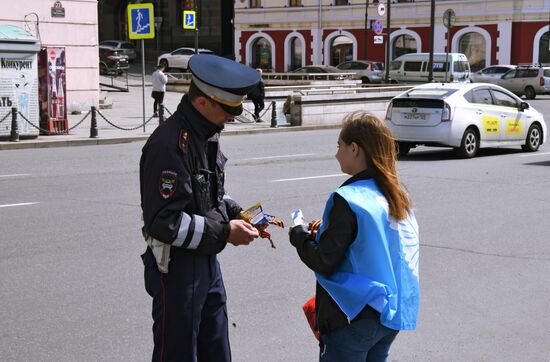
(513, 127)
(490, 124)
(168, 184)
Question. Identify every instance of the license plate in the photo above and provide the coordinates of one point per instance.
(420, 116)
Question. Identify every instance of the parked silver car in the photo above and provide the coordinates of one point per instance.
(490, 74)
(527, 80)
(365, 70)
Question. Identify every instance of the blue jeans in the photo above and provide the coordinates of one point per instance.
(364, 340)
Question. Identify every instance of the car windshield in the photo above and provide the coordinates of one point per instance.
(437, 93)
(378, 66)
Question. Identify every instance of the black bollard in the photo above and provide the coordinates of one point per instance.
(161, 114)
(93, 126)
(273, 115)
(14, 135)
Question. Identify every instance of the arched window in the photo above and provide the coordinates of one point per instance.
(341, 50)
(261, 54)
(544, 48)
(473, 46)
(295, 53)
(403, 44)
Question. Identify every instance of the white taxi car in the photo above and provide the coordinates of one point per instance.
(465, 116)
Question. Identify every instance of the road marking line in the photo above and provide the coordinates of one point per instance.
(16, 175)
(536, 154)
(308, 178)
(282, 156)
(22, 204)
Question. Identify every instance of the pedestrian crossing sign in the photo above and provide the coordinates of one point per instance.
(189, 19)
(141, 23)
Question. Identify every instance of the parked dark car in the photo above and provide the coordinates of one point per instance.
(334, 73)
(112, 62)
(123, 47)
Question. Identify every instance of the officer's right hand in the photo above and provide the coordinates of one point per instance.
(242, 233)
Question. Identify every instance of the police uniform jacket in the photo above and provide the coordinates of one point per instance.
(182, 184)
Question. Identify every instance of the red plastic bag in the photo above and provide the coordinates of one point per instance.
(311, 316)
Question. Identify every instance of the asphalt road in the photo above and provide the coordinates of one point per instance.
(71, 286)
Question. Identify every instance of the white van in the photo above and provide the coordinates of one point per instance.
(413, 68)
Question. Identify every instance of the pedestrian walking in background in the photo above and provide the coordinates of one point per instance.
(188, 216)
(159, 80)
(257, 96)
(365, 253)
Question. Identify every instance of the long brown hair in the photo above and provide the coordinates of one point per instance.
(376, 140)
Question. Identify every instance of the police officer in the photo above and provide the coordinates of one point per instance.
(188, 217)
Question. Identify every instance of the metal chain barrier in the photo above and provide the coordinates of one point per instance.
(166, 110)
(56, 132)
(123, 128)
(6, 116)
(245, 119)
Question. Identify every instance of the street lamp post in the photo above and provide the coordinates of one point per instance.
(432, 27)
(366, 32)
(388, 19)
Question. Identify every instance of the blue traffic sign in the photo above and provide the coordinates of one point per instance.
(378, 27)
(189, 19)
(141, 21)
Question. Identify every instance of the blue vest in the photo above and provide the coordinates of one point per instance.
(380, 267)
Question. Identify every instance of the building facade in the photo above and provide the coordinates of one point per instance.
(214, 19)
(281, 35)
(71, 24)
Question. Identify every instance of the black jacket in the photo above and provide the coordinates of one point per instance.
(324, 257)
(182, 184)
(257, 94)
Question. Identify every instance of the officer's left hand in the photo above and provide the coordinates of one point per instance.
(242, 233)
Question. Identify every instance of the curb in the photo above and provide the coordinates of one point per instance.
(36, 143)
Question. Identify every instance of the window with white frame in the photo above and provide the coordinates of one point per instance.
(473, 45)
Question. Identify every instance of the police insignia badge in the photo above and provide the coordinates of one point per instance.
(255, 215)
(168, 184)
(183, 140)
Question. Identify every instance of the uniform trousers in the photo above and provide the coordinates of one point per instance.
(189, 308)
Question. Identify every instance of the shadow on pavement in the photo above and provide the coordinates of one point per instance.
(451, 154)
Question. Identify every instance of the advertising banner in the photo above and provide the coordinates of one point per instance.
(19, 88)
(53, 104)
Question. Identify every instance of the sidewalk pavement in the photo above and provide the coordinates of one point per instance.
(127, 112)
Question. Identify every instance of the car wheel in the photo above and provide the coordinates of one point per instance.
(103, 69)
(164, 63)
(530, 93)
(470, 144)
(532, 142)
(365, 80)
(403, 148)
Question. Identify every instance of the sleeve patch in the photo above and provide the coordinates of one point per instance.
(168, 184)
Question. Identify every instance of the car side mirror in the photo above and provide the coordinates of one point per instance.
(524, 106)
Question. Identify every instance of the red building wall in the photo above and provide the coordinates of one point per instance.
(523, 35)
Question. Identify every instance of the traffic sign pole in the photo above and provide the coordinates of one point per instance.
(141, 25)
(143, 80)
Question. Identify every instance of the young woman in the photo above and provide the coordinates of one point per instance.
(365, 253)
